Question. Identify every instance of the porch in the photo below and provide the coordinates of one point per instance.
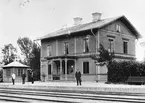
(62, 69)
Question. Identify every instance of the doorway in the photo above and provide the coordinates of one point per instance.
(56, 70)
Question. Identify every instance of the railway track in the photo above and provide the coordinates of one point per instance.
(30, 95)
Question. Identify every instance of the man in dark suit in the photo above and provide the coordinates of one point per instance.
(78, 77)
(23, 78)
(32, 77)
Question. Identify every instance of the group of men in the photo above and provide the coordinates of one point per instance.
(23, 78)
(77, 75)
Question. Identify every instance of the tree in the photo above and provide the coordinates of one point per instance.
(9, 53)
(26, 46)
(105, 58)
(31, 51)
(104, 55)
(35, 60)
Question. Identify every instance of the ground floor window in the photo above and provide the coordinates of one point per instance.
(85, 67)
(63, 67)
(49, 69)
(8, 72)
(70, 66)
(20, 71)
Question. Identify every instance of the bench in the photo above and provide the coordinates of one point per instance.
(136, 80)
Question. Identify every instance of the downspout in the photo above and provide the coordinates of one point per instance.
(96, 41)
(97, 52)
(98, 76)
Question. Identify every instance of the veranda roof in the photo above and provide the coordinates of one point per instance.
(15, 64)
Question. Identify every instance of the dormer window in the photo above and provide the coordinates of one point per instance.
(118, 28)
(86, 44)
(66, 46)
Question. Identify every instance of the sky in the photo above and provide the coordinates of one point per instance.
(35, 18)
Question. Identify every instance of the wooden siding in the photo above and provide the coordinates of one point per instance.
(118, 37)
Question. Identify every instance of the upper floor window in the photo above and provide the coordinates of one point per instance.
(111, 45)
(125, 47)
(66, 46)
(118, 28)
(49, 50)
(86, 45)
(86, 67)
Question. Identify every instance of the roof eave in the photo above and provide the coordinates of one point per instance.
(64, 34)
(136, 32)
(13, 67)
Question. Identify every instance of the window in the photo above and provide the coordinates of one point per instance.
(111, 45)
(8, 72)
(86, 67)
(125, 47)
(66, 48)
(70, 66)
(49, 50)
(49, 69)
(20, 71)
(118, 29)
(63, 67)
(86, 45)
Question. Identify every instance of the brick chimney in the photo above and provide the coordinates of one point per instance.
(77, 20)
(96, 16)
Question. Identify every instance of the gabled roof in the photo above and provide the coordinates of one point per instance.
(15, 64)
(92, 25)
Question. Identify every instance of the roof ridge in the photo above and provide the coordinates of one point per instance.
(84, 26)
(93, 21)
(89, 22)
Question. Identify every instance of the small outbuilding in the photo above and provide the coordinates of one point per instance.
(17, 68)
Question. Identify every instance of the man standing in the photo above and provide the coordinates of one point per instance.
(32, 77)
(23, 78)
(13, 78)
(78, 77)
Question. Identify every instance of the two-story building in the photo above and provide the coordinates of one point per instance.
(69, 49)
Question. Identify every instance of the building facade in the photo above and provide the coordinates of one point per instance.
(70, 49)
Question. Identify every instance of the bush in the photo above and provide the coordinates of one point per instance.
(43, 77)
(118, 72)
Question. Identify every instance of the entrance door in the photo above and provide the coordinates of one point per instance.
(56, 70)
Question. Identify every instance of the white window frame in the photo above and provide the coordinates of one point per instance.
(49, 50)
(66, 48)
(85, 40)
(118, 28)
(112, 44)
(123, 46)
(88, 68)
